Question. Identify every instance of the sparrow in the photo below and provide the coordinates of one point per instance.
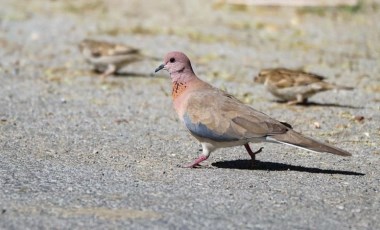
(107, 58)
(294, 86)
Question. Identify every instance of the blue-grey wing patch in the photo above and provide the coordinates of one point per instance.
(201, 130)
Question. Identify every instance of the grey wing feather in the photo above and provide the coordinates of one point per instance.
(226, 116)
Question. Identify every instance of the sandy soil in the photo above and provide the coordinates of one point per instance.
(79, 152)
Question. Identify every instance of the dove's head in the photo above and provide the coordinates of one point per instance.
(177, 64)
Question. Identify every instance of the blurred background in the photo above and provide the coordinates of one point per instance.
(258, 34)
(80, 150)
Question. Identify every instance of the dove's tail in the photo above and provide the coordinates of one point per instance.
(298, 140)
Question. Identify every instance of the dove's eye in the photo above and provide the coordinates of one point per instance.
(172, 60)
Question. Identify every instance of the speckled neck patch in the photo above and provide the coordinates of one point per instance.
(178, 88)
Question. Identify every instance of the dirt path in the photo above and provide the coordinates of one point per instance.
(78, 152)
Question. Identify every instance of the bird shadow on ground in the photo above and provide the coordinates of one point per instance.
(272, 166)
(133, 74)
(136, 74)
(315, 104)
(311, 104)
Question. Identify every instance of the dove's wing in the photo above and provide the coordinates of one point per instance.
(216, 115)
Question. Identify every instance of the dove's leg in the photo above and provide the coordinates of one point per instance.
(111, 69)
(195, 163)
(252, 154)
(206, 151)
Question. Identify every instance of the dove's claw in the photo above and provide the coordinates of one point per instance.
(196, 164)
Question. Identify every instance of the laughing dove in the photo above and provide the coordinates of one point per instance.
(294, 86)
(217, 119)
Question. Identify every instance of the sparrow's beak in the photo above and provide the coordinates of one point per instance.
(159, 68)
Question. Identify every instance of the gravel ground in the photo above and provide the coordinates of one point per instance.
(79, 152)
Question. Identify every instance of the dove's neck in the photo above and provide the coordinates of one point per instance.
(182, 89)
(181, 82)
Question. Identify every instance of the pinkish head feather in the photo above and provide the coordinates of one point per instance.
(178, 65)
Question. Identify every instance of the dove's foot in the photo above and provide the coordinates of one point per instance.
(251, 153)
(196, 164)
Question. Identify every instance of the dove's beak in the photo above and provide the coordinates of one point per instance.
(159, 68)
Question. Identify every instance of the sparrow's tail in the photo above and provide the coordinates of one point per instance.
(330, 86)
(298, 140)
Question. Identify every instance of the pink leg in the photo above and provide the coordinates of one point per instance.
(252, 154)
(196, 162)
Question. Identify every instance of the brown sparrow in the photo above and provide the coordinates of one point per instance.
(294, 86)
(108, 57)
